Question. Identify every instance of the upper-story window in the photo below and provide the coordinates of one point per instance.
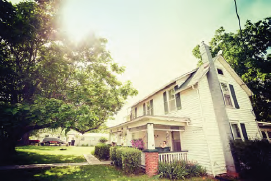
(150, 107)
(220, 71)
(134, 113)
(172, 101)
(144, 109)
(229, 95)
(226, 94)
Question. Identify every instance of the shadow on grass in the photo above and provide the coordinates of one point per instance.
(25, 158)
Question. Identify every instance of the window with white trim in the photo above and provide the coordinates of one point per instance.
(226, 94)
(149, 106)
(238, 131)
(171, 100)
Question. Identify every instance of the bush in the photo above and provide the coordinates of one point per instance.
(180, 170)
(113, 154)
(128, 159)
(252, 158)
(102, 151)
(103, 140)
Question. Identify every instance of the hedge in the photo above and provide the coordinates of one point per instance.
(128, 159)
(252, 158)
(102, 151)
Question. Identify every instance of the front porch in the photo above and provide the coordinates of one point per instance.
(153, 131)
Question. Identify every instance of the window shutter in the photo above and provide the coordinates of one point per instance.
(151, 104)
(165, 102)
(234, 97)
(178, 101)
(135, 112)
(144, 109)
(243, 127)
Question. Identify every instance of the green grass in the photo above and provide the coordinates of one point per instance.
(90, 173)
(47, 154)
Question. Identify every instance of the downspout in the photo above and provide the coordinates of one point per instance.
(204, 131)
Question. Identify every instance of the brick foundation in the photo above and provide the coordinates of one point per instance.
(151, 163)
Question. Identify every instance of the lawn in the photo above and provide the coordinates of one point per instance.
(47, 154)
(90, 173)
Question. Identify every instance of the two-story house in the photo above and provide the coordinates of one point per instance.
(197, 114)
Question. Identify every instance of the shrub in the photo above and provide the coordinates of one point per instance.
(252, 158)
(103, 140)
(130, 159)
(113, 154)
(180, 170)
(102, 151)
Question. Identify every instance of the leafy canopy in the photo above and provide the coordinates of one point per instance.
(49, 81)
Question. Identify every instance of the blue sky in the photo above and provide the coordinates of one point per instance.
(154, 39)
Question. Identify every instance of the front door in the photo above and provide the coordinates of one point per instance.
(176, 141)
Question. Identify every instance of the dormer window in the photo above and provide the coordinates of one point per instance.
(219, 71)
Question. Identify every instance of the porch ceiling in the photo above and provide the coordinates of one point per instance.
(162, 120)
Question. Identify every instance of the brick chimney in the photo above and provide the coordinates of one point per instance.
(219, 108)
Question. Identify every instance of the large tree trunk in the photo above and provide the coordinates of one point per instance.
(25, 139)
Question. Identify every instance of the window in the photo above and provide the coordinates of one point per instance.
(226, 94)
(239, 131)
(172, 101)
(150, 107)
(219, 71)
(134, 113)
(144, 109)
(236, 131)
(264, 135)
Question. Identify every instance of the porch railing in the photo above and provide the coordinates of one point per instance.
(172, 156)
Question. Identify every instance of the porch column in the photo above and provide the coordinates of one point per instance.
(150, 131)
(151, 154)
(128, 138)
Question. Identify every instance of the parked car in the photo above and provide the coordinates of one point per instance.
(33, 142)
(49, 141)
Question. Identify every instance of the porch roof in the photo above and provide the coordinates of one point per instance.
(164, 120)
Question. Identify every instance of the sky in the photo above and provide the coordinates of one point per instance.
(154, 39)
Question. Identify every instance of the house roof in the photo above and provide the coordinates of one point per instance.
(191, 78)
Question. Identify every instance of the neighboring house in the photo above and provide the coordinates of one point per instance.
(197, 114)
(87, 139)
(265, 129)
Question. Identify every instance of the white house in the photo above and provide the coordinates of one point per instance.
(197, 114)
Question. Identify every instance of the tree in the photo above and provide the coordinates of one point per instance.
(248, 53)
(47, 81)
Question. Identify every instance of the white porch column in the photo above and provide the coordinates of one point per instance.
(128, 138)
(150, 131)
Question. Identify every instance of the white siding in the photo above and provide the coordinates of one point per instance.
(245, 113)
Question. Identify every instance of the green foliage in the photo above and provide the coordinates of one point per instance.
(113, 155)
(180, 170)
(102, 151)
(103, 140)
(252, 158)
(250, 57)
(47, 80)
(129, 159)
